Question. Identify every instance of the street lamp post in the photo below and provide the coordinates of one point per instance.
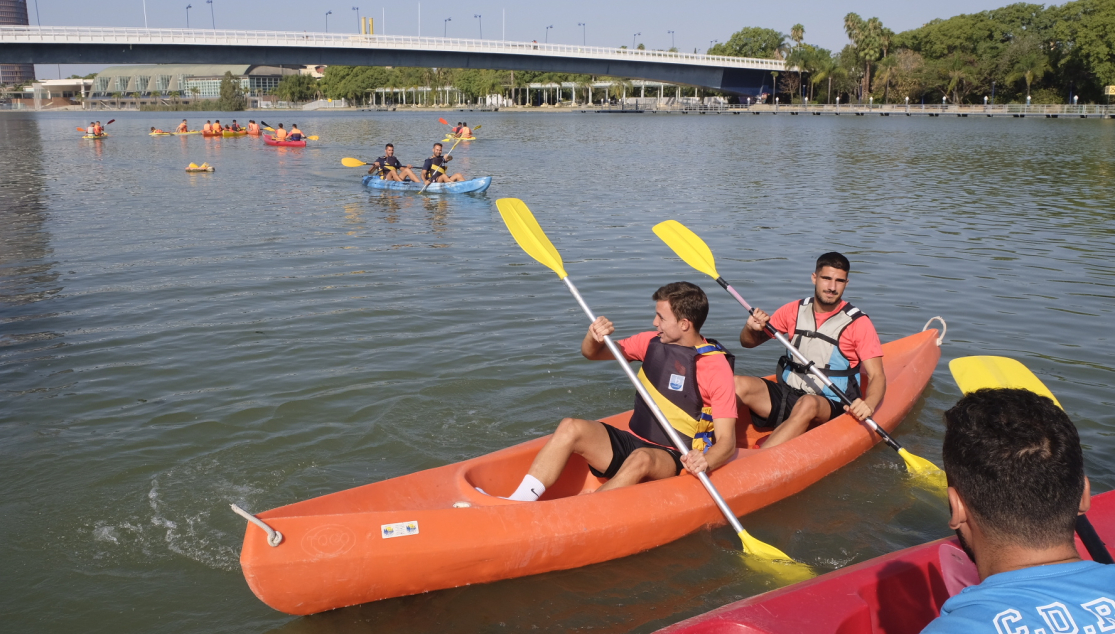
(188, 7)
(481, 23)
(710, 43)
(445, 27)
(547, 38)
(672, 45)
(212, 15)
(327, 14)
(584, 38)
(358, 25)
(633, 39)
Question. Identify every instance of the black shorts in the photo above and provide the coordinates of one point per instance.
(624, 443)
(782, 401)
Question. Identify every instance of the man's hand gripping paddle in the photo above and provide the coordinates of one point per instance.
(694, 252)
(975, 373)
(524, 228)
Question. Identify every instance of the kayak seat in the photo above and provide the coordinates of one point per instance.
(500, 477)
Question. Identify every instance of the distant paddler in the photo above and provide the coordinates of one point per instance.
(390, 169)
(217, 127)
(182, 127)
(295, 134)
(235, 127)
(207, 128)
(433, 170)
(464, 132)
(280, 133)
(155, 130)
(253, 127)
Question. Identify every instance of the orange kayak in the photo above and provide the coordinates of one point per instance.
(433, 529)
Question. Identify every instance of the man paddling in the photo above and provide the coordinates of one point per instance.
(464, 132)
(182, 127)
(836, 337)
(253, 127)
(1016, 485)
(690, 378)
(207, 128)
(280, 133)
(295, 134)
(390, 169)
(433, 169)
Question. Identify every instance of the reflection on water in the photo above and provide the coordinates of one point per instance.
(275, 331)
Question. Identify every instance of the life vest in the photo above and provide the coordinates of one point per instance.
(436, 167)
(669, 374)
(253, 128)
(208, 127)
(280, 134)
(822, 347)
(385, 166)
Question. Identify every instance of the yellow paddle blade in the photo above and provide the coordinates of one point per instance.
(973, 373)
(785, 572)
(313, 137)
(524, 228)
(351, 162)
(689, 247)
(761, 549)
(926, 472)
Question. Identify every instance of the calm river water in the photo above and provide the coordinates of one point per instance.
(270, 332)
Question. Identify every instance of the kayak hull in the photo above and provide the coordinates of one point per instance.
(240, 133)
(337, 549)
(270, 140)
(450, 139)
(852, 601)
(473, 186)
(95, 137)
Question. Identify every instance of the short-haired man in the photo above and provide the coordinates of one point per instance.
(182, 127)
(390, 168)
(433, 169)
(836, 337)
(690, 378)
(1016, 485)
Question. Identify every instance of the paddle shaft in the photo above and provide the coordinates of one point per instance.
(649, 400)
(800, 358)
(450, 153)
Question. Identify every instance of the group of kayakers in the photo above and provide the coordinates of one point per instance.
(433, 169)
(95, 128)
(691, 379)
(460, 131)
(294, 134)
(215, 127)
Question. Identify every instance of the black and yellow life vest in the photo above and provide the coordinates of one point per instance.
(436, 167)
(669, 374)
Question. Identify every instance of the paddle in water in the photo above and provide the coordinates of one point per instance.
(529, 235)
(694, 252)
(976, 373)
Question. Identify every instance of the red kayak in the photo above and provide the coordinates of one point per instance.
(898, 593)
(270, 140)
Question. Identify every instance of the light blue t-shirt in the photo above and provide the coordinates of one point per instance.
(1072, 598)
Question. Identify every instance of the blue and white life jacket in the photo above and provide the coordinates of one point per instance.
(822, 347)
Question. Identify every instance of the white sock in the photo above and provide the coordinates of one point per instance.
(529, 491)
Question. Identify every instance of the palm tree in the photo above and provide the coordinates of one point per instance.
(195, 91)
(1031, 66)
(959, 71)
(885, 71)
(116, 95)
(797, 33)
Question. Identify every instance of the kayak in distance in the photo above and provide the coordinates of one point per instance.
(270, 140)
(194, 167)
(234, 133)
(450, 139)
(95, 137)
(185, 133)
(472, 186)
(899, 592)
(436, 529)
(210, 134)
(160, 134)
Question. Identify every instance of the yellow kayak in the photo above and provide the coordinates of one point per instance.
(190, 132)
(160, 134)
(95, 136)
(450, 139)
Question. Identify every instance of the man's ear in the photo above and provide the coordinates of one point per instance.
(958, 510)
(1086, 497)
(685, 325)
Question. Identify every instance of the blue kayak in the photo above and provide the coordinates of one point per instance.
(474, 185)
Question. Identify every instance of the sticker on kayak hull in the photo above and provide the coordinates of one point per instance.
(398, 529)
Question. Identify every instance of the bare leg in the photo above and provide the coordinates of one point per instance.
(809, 409)
(456, 178)
(752, 394)
(587, 438)
(642, 464)
(405, 172)
(393, 175)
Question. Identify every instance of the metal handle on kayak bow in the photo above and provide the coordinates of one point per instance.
(675, 438)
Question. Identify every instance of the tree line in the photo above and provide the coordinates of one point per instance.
(1021, 50)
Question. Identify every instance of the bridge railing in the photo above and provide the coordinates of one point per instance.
(211, 37)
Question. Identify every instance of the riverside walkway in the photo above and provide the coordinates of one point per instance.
(1017, 111)
(109, 45)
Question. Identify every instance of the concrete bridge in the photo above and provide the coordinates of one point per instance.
(94, 45)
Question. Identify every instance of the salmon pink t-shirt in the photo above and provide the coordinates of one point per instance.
(714, 375)
(859, 341)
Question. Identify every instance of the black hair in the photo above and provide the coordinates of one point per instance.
(438, 145)
(389, 146)
(687, 301)
(1015, 459)
(465, 124)
(833, 259)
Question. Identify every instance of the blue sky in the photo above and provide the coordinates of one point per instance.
(611, 23)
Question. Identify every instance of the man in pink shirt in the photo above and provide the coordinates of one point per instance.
(691, 380)
(836, 337)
